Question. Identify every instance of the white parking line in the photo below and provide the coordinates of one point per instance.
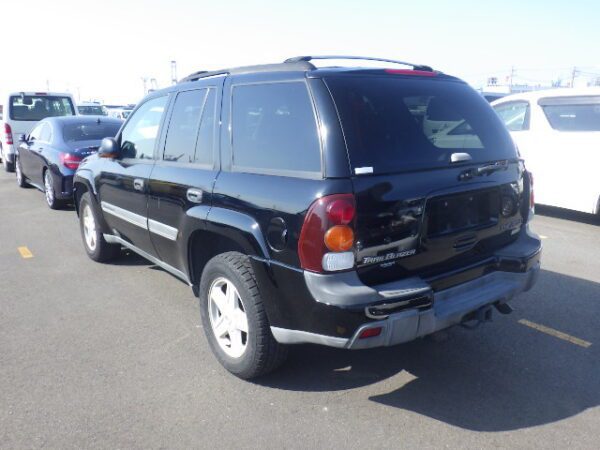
(555, 333)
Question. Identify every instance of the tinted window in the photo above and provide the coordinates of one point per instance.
(204, 146)
(139, 135)
(180, 145)
(89, 131)
(38, 107)
(394, 124)
(515, 115)
(274, 128)
(92, 110)
(572, 113)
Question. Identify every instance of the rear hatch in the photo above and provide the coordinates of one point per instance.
(437, 180)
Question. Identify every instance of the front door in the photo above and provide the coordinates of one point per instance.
(181, 183)
(123, 184)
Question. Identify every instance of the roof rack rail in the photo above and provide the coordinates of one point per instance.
(364, 58)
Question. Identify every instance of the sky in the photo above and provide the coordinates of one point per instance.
(102, 49)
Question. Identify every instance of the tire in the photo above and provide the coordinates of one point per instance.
(21, 180)
(8, 166)
(93, 241)
(261, 353)
(49, 193)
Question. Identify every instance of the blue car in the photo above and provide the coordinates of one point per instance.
(48, 156)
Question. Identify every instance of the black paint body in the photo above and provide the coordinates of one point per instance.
(250, 211)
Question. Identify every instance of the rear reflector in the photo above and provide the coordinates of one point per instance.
(420, 73)
(370, 332)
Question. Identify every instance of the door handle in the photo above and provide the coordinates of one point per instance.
(138, 184)
(194, 195)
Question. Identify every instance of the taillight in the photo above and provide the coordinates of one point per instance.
(70, 161)
(8, 137)
(327, 236)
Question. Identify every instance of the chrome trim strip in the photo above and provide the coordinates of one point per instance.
(286, 336)
(166, 231)
(123, 214)
(112, 239)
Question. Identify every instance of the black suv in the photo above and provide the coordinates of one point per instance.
(349, 207)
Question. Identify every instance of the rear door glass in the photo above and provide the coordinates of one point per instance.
(38, 107)
(394, 124)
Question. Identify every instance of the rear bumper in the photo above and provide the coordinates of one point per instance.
(414, 307)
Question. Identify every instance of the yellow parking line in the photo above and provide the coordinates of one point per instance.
(25, 252)
(555, 333)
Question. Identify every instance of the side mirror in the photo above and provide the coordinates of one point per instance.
(109, 148)
(22, 138)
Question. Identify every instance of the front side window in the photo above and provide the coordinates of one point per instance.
(37, 107)
(140, 133)
(274, 129)
(572, 113)
(515, 115)
(180, 145)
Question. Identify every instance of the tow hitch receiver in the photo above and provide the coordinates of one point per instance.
(476, 318)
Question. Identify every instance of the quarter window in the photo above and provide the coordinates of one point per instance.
(515, 115)
(139, 135)
(274, 129)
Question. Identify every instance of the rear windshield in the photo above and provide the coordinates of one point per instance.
(395, 124)
(73, 132)
(92, 110)
(572, 113)
(33, 107)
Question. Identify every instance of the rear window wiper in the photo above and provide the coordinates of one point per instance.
(486, 169)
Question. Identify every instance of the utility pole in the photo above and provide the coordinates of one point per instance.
(48, 85)
(512, 75)
(145, 81)
(173, 72)
(573, 75)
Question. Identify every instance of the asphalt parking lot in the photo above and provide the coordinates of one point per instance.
(113, 356)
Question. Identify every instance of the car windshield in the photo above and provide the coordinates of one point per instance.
(92, 110)
(572, 113)
(37, 107)
(89, 131)
(394, 124)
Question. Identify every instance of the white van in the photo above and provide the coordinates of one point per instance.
(558, 134)
(21, 111)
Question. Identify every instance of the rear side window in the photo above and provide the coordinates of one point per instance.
(395, 124)
(275, 130)
(38, 107)
(180, 145)
(572, 113)
(89, 131)
(515, 115)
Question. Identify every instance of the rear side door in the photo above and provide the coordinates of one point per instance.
(123, 183)
(181, 183)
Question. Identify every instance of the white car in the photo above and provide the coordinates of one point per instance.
(557, 132)
(21, 111)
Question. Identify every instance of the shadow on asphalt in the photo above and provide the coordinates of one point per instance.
(567, 214)
(501, 377)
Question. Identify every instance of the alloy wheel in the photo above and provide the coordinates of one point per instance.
(49, 190)
(89, 228)
(228, 317)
